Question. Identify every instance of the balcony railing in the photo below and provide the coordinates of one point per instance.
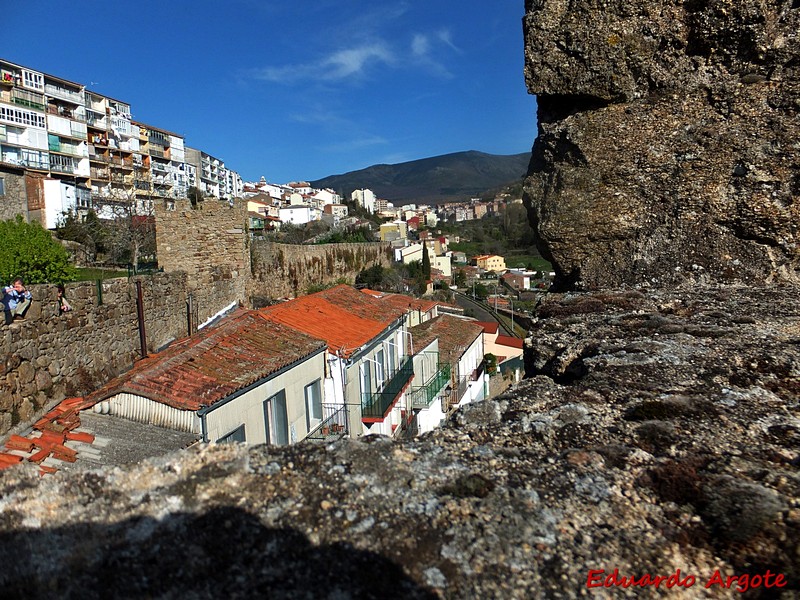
(375, 406)
(65, 94)
(422, 397)
(28, 99)
(58, 168)
(334, 425)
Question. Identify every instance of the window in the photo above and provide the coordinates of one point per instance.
(391, 351)
(237, 435)
(32, 80)
(276, 420)
(379, 368)
(313, 397)
(2, 186)
(366, 380)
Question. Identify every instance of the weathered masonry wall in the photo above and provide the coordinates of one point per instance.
(283, 270)
(48, 356)
(13, 199)
(209, 244)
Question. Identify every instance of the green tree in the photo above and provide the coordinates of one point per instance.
(30, 252)
(371, 277)
(460, 278)
(426, 263)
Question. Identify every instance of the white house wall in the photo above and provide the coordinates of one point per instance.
(248, 409)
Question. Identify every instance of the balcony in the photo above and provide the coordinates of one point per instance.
(62, 168)
(422, 397)
(375, 406)
(59, 92)
(333, 426)
(27, 99)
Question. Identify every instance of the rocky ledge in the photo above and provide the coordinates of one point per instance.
(657, 433)
(668, 139)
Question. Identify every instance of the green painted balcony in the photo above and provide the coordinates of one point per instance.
(374, 407)
(422, 397)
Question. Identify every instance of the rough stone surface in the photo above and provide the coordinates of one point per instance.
(285, 270)
(668, 139)
(656, 432)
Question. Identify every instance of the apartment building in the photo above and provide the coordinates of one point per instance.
(79, 150)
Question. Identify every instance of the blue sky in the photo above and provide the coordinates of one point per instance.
(296, 90)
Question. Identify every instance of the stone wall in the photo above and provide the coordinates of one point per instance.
(14, 201)
(48, 356)
(209, 244)
(667, 146)
(282, 270)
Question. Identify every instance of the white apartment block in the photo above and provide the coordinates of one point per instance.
(81, 150)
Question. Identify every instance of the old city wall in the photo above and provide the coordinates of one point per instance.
(283, 270)
(48, 356)
(209, 244)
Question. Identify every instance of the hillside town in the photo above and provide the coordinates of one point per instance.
(340, 362)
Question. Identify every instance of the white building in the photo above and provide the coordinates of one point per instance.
(364, 198)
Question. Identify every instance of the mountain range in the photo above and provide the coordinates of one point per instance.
(449, 177)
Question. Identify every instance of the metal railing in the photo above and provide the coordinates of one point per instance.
(65, 94)
(376, 405)
(423, 396)
(334, 425)
(27, 99)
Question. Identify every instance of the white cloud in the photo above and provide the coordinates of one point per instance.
(353, 61)
(343, 64)
(426, 51)
(356, 144)
(420, 45)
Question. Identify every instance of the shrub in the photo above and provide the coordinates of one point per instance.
(30, 252)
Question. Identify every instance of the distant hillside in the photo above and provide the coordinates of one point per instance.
(449, 177)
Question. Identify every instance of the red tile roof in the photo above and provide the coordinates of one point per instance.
(455, 336)
(489, 327)
(507, 340)
(217, 361)
(401, 301)
(342, 316)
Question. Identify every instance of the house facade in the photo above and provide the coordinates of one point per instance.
(243, 380)
(490, 262)
(368, 361)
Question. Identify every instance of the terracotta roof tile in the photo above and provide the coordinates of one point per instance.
(403, 302)
(342, 316)
(455, 336)
(215, 362)
(490, 327)
(507, 340)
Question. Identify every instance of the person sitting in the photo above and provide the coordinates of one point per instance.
(63, 305)
(16, 300)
